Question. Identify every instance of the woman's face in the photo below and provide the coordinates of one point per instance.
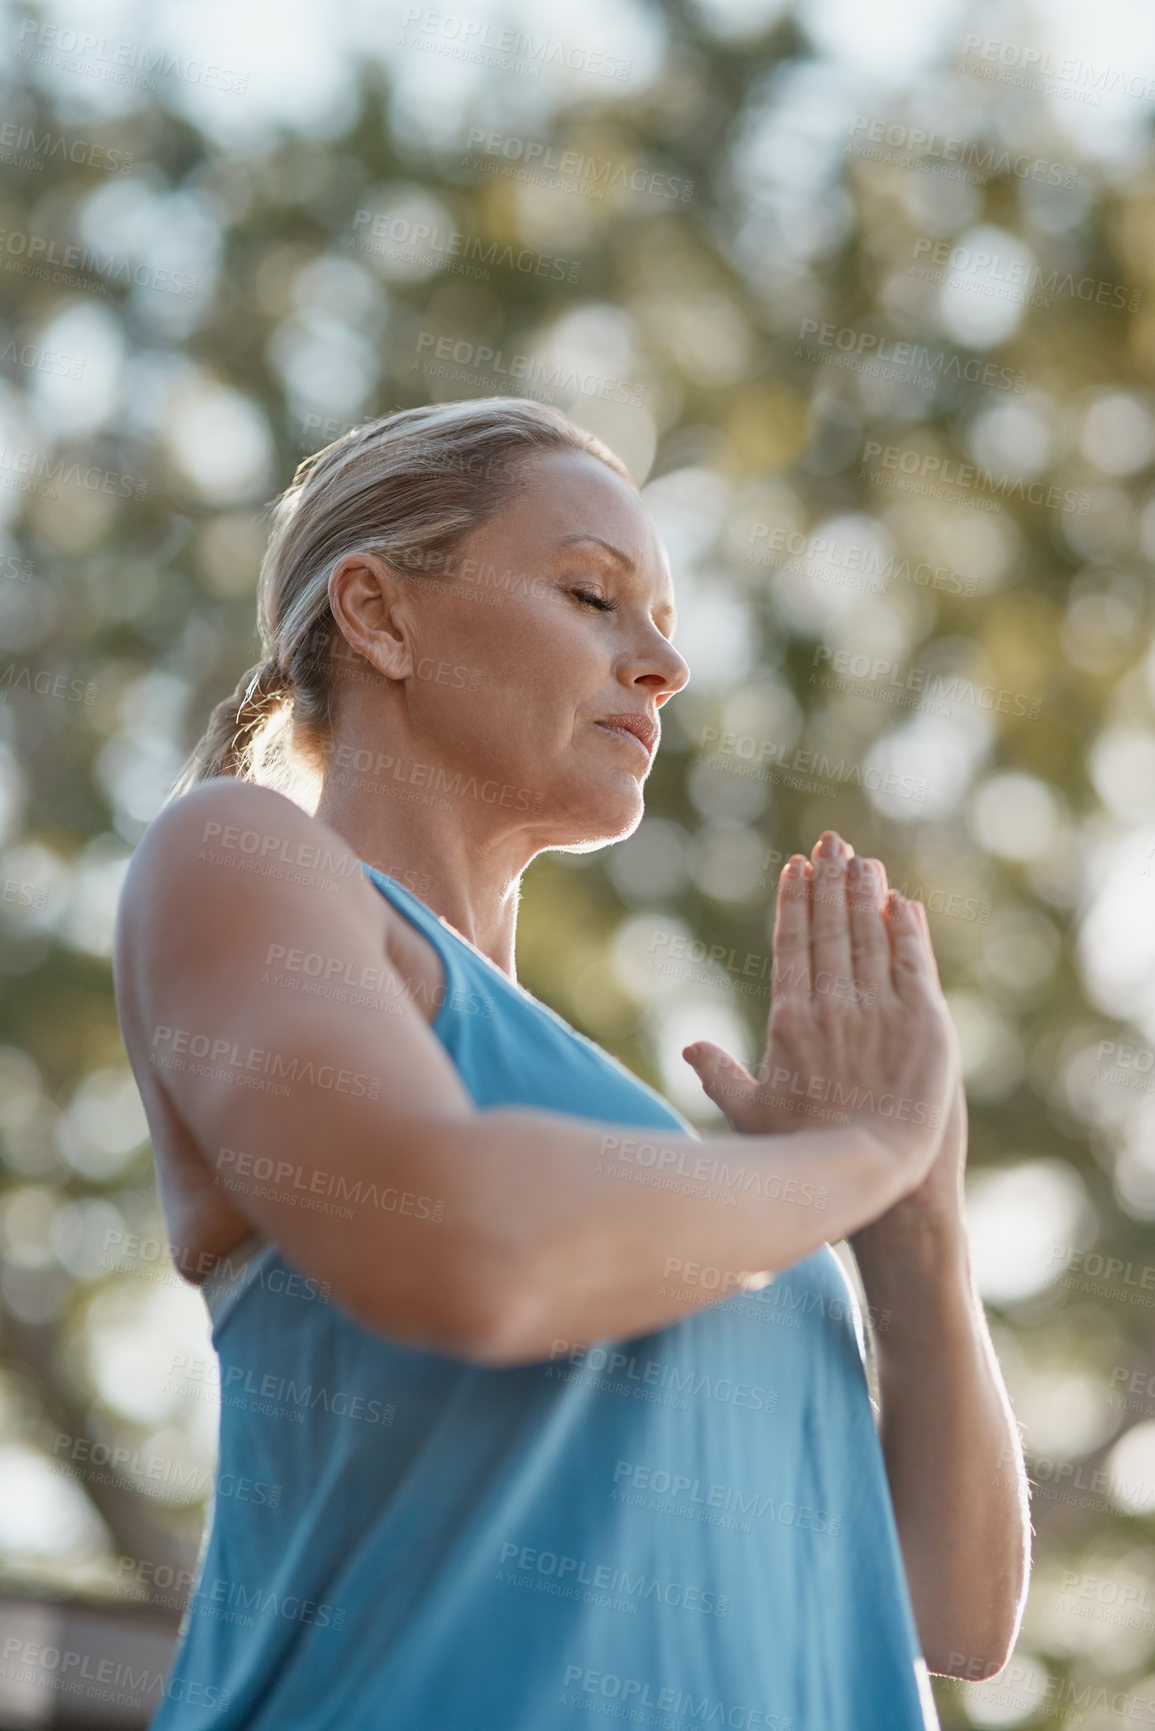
(551, 618)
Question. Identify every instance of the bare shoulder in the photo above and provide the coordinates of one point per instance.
(254, 831)
(229, 853)
(231, 866)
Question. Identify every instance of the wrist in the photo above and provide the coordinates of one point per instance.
(920, 1258)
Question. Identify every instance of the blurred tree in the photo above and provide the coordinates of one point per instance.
(884, 363)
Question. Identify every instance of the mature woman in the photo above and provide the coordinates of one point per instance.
(533, 1401)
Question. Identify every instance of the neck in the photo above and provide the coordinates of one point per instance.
(469, 875)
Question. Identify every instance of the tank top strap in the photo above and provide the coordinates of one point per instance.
(454, 955)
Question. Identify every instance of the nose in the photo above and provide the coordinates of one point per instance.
(647, 658)
(667, 671)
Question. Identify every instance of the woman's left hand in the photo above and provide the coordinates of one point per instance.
(937, 1203)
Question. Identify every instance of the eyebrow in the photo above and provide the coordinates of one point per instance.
(666, 608)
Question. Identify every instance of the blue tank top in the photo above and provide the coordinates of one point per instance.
(688, 1528)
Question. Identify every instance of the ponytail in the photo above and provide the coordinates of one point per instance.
(237, 726)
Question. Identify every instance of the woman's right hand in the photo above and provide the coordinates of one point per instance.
(859, 1031)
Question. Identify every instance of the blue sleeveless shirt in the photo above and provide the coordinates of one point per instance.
(689, 1528)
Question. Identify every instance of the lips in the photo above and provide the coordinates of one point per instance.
(643, 727)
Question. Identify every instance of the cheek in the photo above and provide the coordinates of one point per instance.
(511, 659)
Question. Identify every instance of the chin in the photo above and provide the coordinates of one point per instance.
(602, 821)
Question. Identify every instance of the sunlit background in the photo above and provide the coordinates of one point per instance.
(866, 298)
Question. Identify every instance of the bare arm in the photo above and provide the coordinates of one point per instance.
(540, 1238)
(948, 1434)
(953, 1455)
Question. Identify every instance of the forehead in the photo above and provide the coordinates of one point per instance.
(566, 495)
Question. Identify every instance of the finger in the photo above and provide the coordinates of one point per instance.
(830, 953)
(924, 925)
(724, 1079)
(914, 971)
(790, 946)
(877, 866)
(869, 938)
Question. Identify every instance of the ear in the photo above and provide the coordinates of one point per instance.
(370, 607)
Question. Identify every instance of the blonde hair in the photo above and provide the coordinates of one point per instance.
(410, 487)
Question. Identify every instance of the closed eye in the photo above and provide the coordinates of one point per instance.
(595, 600)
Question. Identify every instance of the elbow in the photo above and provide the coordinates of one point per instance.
(986, 1667)
(474, 1308)
(987, 1656)
(970, 1667)
(501, 1322)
